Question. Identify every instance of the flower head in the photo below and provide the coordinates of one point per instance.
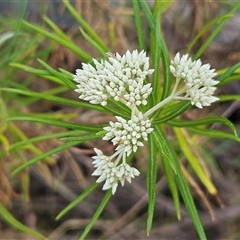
(128, 134)
(198, 78)
(119, 77)
(110, 172)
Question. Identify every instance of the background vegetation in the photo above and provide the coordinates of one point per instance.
(36, 195)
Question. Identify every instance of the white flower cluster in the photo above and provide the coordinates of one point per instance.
(122, 78)
(111, 172)
(119, 77)
(128, 134)
(198, 78)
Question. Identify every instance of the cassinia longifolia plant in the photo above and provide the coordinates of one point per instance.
(123, 79)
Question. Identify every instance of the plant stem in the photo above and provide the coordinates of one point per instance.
(160, 104)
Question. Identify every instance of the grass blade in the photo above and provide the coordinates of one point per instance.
(215, 32)
(53, 151)
(68, 44)
(205, 121)
(17, 225)
(152, 178)
(213, 133)
(53, 98)
(186, 149)
(77, 200)
(138, 24)
(85, 26)
(97, 214)
(164, 144)
(74, 126)
(227, 73)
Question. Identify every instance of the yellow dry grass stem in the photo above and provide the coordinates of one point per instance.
(187, 146)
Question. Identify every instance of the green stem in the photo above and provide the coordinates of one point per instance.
(173, 96)
(159, 105)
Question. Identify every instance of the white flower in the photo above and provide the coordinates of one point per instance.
(198, 78)
(119, 77)
(92, 83)
(129, 135)
(111, 172)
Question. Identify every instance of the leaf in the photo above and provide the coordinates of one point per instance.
(152, 178)
(163, 143)
(186, 149)
(77, 200)
(213, 133)
(85, 26)
(83, 138)
(205, 121)
(215, 31)
(60, 75)
(156, 45)
(175, 111)
(53, 151)
(93, 43)
(39, 72)
(172, 185)
(66, 43)
(222, 78)
(56, 29)
(53, 98)
(97, 214)
(148, 14)
(9, 219)
(20, 144)
(138, 24)
(204, 29)
(232, 97)
(58, 123)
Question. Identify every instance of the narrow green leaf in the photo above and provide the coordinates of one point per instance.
(56, 29)
(138, 24)
(53, 98)
(166, 83)
(77, 200)
(97, 214)
(93, 43)
(163, 143)
(204, 29)
(163, 150)
(68, 44)
(186, 149)
(85, 25)
(178, 109)
(83, 138)
(228, 73)
(205, 121)
(39, 72)
(62, 76)
(148, 14)
(215, 31)
(232, 97)
(172, 185)
(54, 151)
(213, 133)
(58, 123)
(20, 144)
(10, 220)
(152, 178)
(232, 78)
(42, 156)
(156, 46)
